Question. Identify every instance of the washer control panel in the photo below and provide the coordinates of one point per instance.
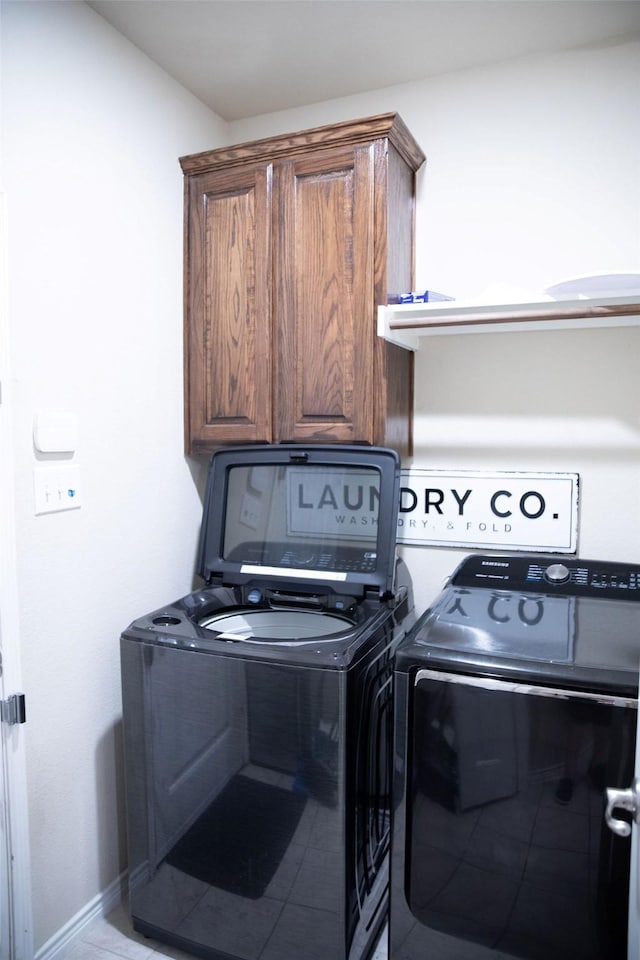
(569, 576)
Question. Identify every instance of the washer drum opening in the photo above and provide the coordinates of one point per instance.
(277, 626)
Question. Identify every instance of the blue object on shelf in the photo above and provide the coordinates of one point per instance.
(422, 296)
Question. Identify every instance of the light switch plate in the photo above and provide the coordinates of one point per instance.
(56, 488)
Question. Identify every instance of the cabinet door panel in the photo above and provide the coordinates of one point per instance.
(228, 326)
(324, 296)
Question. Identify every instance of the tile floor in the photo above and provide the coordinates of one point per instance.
(113, 937)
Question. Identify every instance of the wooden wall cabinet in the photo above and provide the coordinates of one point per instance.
(291, 243)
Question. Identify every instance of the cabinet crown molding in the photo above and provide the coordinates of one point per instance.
(383, 126)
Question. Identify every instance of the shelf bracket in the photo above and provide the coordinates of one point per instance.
(401, 338)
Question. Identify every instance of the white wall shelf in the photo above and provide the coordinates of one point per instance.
(405, 324)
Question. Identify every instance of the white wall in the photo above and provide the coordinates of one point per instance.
(92, 135)
(532, 176)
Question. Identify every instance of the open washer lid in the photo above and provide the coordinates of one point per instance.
(313, 518)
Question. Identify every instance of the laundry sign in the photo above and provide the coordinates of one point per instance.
(495, 510)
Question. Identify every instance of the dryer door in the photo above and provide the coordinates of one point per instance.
(629, 801)
(633, 952)
(508, 850)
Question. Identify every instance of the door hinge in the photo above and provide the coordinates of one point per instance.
(13, 709)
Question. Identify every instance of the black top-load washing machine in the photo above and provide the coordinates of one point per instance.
(258, 715)
(516, 708)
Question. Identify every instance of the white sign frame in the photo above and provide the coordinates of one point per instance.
(518, 511)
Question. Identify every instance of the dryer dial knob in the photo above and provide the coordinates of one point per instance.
(557, 573)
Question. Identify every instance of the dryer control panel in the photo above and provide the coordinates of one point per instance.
(568, 576)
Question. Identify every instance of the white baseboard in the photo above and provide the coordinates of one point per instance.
(100, 906)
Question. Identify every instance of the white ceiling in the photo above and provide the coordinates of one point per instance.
(244, 58)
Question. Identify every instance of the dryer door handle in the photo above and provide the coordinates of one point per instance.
(626, 800)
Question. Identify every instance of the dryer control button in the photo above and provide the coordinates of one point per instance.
(557, 573)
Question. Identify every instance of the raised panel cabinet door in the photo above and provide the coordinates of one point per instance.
(228, 376)
(323, 297)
